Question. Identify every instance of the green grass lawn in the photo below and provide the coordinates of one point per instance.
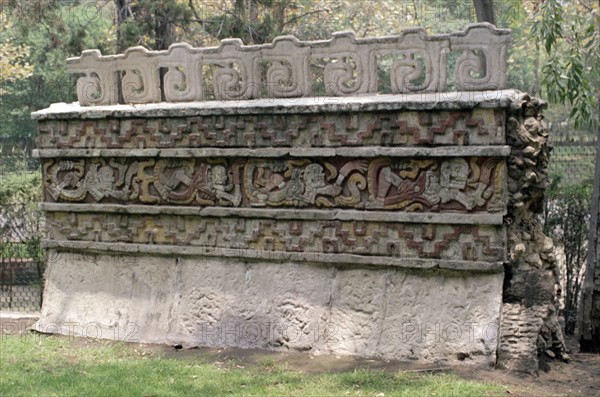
(34, 365)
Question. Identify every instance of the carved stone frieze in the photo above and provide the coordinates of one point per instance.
(433, 241)
(285, 68)
(456, 184)
(467, 127)
(449, 188)
(246, 158)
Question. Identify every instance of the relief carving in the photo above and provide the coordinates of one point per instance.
(298, 183)
(457, 184)
(464, 127)
(73, 180)
(417, 185)
(281, 69)
(433, 241)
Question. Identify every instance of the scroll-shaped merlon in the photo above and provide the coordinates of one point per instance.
(287, 67)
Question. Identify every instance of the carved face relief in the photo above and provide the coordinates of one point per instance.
(99, 181)
(314, 177)
(106, 177)
(455, 173)
(432, 187)
(218, 175)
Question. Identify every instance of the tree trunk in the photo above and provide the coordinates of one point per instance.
(252, 12)
(589, 329)
(123, 13)
(484, 9)
(164, 30)
(536, 73)
(280, 16)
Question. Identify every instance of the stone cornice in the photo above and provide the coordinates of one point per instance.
(421, 101)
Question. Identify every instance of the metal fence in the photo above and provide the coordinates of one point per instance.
(21, 284)
(573, 160)
(567, 215)
(22, 261)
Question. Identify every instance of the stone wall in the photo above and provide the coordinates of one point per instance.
(530, 325)
(396, 226)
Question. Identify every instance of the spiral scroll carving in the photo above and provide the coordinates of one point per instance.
(281, 80)
(237, 71)
(228, 84)
(89, 90)
(468, 65)
(176, 85)
(339, 76)
(132, 86)
(404, 72)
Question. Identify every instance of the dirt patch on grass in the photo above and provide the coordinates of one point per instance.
(580, 377)
(13, 323)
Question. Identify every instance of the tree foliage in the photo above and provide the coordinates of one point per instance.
(569, 33)
(45, 33)
(155, 24)
(567, 216)
(13, 56)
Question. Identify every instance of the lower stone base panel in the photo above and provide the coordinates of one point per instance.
(383, 312)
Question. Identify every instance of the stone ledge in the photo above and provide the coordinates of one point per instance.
(249, 254)
(365, 152)
(311, 105)
(14, 315)
(283, 213)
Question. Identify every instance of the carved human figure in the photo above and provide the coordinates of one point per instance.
(314, 182)
(432, 187)
(69, 181)
(218, 180)
(454, 174)
(100, 181)
(301, 187)
(418, 183)
(278, 190)
(170, 176)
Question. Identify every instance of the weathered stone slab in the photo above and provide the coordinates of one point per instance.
(284, 213)
(306, 214)
(396, 226)
(110, 297)
(388, 313)
(439, 101)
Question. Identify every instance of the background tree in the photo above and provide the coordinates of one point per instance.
(484, 9)
(46, 33)
(150, 23)
(569, 33)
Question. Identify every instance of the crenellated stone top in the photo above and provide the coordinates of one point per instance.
(411, 62)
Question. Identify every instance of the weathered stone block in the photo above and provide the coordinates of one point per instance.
(366, 311)
(396, 226)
